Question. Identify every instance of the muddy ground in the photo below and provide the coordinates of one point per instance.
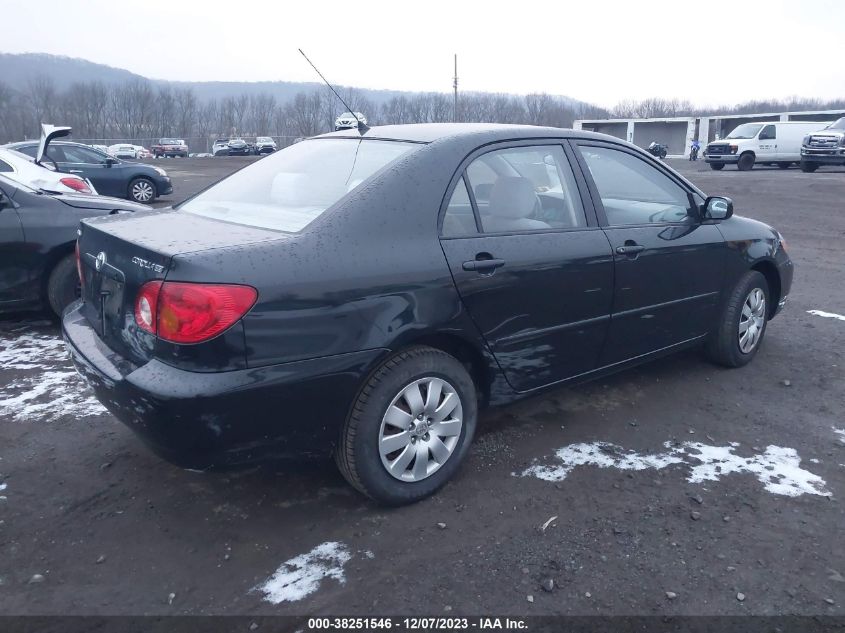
(92, 523)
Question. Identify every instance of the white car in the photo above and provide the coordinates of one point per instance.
(23, 169)
(123, 150)
(220, 147)
(264, 145)
(349, 120)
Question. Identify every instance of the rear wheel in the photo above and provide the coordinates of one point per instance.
(742, 322)
(746, 162)
(142, 190)
(717, 166)
(63, 285)
(410, 427)
(808, 168)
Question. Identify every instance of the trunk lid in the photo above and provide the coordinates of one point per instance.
(120, 253)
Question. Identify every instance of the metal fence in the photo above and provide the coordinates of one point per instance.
(196, 144)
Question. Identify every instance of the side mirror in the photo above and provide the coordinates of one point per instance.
(111, 161)
(718, 208)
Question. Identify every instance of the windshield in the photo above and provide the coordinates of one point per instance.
(839, 124)
(263, 139)
(746, 130)
(289, 189)
(169, 141)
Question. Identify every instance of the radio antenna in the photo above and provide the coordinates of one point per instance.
(362, 127)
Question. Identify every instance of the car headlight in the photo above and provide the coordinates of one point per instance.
(734, 149)
(842, 141)
(781, 242)
(806, 140)
(160, 171)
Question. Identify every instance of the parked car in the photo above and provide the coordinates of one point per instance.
(123, 151)
(101, 148)
(142, 152)
(238, 147)
(111, 176)
(170, 148)
(37, 238)
(824, 147)
(349, 120)
(481, 264)
(23, 169)
(264, 145)
(220, 147)
(777, 143)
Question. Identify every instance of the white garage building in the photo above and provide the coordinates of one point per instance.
(678, 132)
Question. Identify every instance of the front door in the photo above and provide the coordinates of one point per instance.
(768, 143)
(530, 263)
(669, 265)
(89, 163)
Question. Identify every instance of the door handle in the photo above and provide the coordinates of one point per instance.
(483, 265)
(630, 249)
(74, 171)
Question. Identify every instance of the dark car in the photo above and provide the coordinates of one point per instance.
(239, 147)
(37, 239)
(169, 148)
(111, 176)
(366, 293)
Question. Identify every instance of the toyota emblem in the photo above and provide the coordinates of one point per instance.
(101, 261)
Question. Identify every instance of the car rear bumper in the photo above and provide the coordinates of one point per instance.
(206, 420)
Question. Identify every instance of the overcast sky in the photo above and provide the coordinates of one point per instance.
(711, 52)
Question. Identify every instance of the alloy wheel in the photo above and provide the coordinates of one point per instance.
(752, 320)
(420, 430)
(142, 191)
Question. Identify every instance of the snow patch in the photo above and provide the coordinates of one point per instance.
(778, 468)
(301, 576)
(46, 386)
(840, 433)
(827, 315)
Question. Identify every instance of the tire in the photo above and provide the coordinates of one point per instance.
(717, 166)
(784, 165)
(358, 454)
(142, 190)
(746, 162)
(62, 285)
(808, 168)
(724, 344)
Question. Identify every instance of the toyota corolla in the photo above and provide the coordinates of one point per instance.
(366, 293)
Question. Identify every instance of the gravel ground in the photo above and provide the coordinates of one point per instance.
(675, 488)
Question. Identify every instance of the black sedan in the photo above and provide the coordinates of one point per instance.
(367, 293)
(111, 176)
(37, 238)
(239, 147)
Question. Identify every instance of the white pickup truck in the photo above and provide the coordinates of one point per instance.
(776, 143)
(824, 147)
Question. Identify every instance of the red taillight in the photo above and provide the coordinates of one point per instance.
(76, 184)
(182, 312)
(79, 264)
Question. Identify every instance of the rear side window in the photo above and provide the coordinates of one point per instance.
(291, 188)
(29, 150)
(459, 218)
(4, 166)
(525, 189)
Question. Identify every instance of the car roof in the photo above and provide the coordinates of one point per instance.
(483, 132)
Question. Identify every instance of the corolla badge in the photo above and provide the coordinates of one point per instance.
(100, 261)
(143, 263)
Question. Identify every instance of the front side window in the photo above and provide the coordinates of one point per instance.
(73, 154)
(4, 166)
(768, 133)
(634, 192)
(525, 189)
(290, 188)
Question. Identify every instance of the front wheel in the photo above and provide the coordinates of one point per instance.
(410, 428)
(717, 166)
(142, 190)
(746, 162)
(808, 168)
(742, 322)
(63, 285)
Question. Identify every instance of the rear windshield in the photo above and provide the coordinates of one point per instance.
(289, 189)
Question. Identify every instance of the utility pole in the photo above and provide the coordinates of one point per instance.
(455, 86)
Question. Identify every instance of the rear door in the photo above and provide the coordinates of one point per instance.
(669, 265)
(533, 268)
(14, 272)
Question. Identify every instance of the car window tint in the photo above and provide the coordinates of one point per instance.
(634, 192)
(75, 154)
(29, 150)
(526, 189)
(289, 189)
(56, 152)
(459, 218)
(4, 166)
(768, 133)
